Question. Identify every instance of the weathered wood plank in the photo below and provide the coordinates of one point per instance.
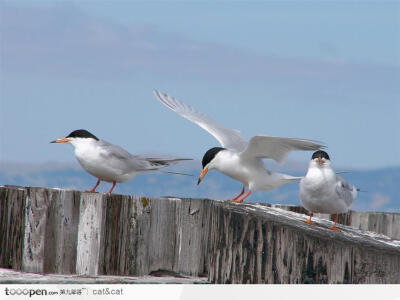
(12, 227)
(66, 232)
(386, 223)
(17, 277)
(61, 232)
(90, 234)
(50, 233)
(129, 235)
(257, 244)
(161, 238)
(36, 215)
(118, 257)
(160, 234)
(191, 240)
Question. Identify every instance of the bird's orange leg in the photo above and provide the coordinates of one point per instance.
(93, 190)
(309, 220)
(112, 188)
(241, 200)
(334, 226)
(234, 199)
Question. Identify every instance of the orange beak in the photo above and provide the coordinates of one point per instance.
(203, 173)
(64, 140)
(320, 161)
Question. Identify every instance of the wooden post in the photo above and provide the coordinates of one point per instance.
(257, 244)
(12, 227)
(53, 231)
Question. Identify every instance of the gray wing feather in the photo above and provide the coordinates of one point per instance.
(345, 191)
(125, 162)
(121, 160)
(113, 151)
(228, 138)
(277, 148)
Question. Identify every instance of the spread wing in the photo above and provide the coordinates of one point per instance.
(345, 191)
(228, 138)
(277, 148)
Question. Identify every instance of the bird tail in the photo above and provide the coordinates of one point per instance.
(163, 162)
(290, 179)
(175, 173)
(158, 163)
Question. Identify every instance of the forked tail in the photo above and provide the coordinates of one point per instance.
(163, 162)
(158, 163)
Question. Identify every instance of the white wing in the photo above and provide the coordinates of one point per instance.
(228, 138)
(277, 148)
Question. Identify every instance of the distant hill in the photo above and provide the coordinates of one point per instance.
(381, 185)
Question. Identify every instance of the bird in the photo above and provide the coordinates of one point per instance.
(324, 191)
(238, 158)
(111, 163)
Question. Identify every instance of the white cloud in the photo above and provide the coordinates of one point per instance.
(64, 41)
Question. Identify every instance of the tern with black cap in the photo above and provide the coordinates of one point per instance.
(323, 191)
(238, 158)
(110, 162)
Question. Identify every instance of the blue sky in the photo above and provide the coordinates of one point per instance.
(324, 70)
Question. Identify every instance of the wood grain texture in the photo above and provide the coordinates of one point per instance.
(12, 227)
(17, 277)
(61, 232)
(50, 237)
(386, 223)
(90, 234)
(258, 244)
(53, 231)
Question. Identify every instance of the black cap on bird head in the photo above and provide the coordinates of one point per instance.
(210, 155)
(81, 133)
(320, 154)
(207, 158)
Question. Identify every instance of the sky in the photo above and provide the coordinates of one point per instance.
(322, 70)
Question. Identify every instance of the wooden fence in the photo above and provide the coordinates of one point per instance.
(55, 231)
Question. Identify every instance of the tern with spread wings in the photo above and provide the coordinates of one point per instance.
(110, 162)
(240, 159)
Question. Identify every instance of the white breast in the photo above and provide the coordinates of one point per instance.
(228, 162)
(250, 172)
(318, 192)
